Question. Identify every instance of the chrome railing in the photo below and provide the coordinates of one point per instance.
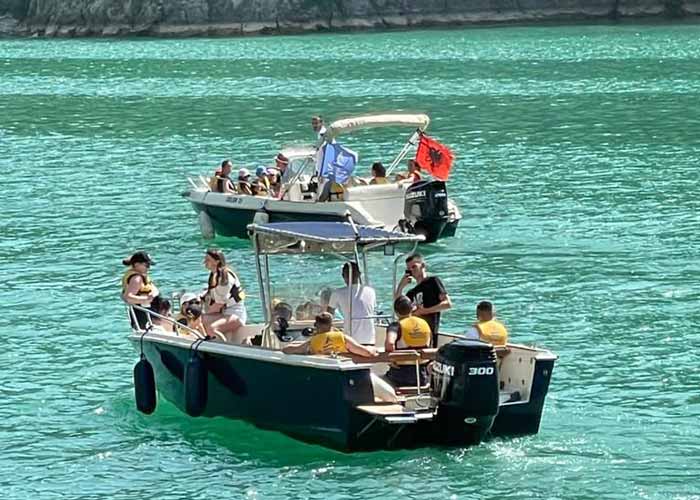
(150, 314)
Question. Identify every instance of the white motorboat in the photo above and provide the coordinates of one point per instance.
(419, 208)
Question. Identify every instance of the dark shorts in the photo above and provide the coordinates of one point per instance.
(406, 375)
(141, 319)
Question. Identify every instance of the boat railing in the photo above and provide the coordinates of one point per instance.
(150, 314)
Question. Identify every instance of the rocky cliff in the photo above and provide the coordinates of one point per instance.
(239, 17)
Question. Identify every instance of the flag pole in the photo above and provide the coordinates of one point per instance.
(404, 151)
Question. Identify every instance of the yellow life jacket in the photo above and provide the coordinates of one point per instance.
(329, 342)
(492, 331)
(337, 192)
(414, 333)
(379, 180)
(146, 286)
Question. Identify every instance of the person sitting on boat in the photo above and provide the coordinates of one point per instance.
(193, 316)
(378, 174)
(244, 185)
(487, 328)
(137, 287)
(327, 340)
(261, 183)
(364, 302)
(275, 178)
(429, 295)
(184, 316)
(413, 173)
(408, 333)
(224, 299)
(161, 306)
(221, 182)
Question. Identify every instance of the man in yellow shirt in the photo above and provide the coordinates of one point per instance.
(487, 328)
(328, 340)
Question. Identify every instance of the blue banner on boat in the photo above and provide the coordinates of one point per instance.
(338, 163)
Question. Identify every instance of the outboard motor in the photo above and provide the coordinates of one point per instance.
(465, 383)
(425, 209)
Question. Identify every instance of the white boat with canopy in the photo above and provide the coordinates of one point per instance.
(309, 194)
(334, 399)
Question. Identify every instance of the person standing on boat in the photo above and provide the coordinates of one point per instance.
(408, 333)
(327, 340)
(137, 287)
(364, 302)
(282, 164)
(318, 126)
(429, 294)
(487, 328)
(226, 311)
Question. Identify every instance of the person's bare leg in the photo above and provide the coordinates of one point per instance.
(208, 320)
(227, 326)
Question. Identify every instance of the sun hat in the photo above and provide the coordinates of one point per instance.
(282, 159)
(243, 173)
(186, 297)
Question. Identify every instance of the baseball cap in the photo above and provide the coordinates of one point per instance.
(244, 172)
(138, 257)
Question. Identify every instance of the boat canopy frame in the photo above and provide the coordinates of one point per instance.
(345, 240)
(419, 121)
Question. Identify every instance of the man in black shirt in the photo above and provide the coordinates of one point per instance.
(429, 294)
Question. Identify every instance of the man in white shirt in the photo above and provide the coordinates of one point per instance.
(318, 127)
(364, 302)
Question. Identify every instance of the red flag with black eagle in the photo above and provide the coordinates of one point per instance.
(434, 157)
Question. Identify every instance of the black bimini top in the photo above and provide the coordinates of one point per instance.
(321, 237)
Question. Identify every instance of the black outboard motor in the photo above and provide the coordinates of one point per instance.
(465, 382)
(425, 209)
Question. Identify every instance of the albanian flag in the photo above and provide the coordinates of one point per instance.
(434, 157)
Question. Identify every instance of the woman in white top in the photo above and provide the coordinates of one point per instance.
(225, 309)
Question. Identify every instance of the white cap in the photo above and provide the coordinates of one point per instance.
(244, 172)
(186, 297)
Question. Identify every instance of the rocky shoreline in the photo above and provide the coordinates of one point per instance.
(184, 18)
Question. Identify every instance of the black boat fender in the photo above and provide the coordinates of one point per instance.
(196, 383)
(144, 384)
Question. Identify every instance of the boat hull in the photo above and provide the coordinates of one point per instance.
(521, 418)
(231, 215)
(314, 405)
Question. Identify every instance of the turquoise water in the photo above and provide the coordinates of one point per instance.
(577, 166)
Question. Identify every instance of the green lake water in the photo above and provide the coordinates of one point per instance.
(577, 175)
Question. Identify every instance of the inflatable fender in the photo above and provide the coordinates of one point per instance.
(206, 226)
(196, 386)
(144, 387)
